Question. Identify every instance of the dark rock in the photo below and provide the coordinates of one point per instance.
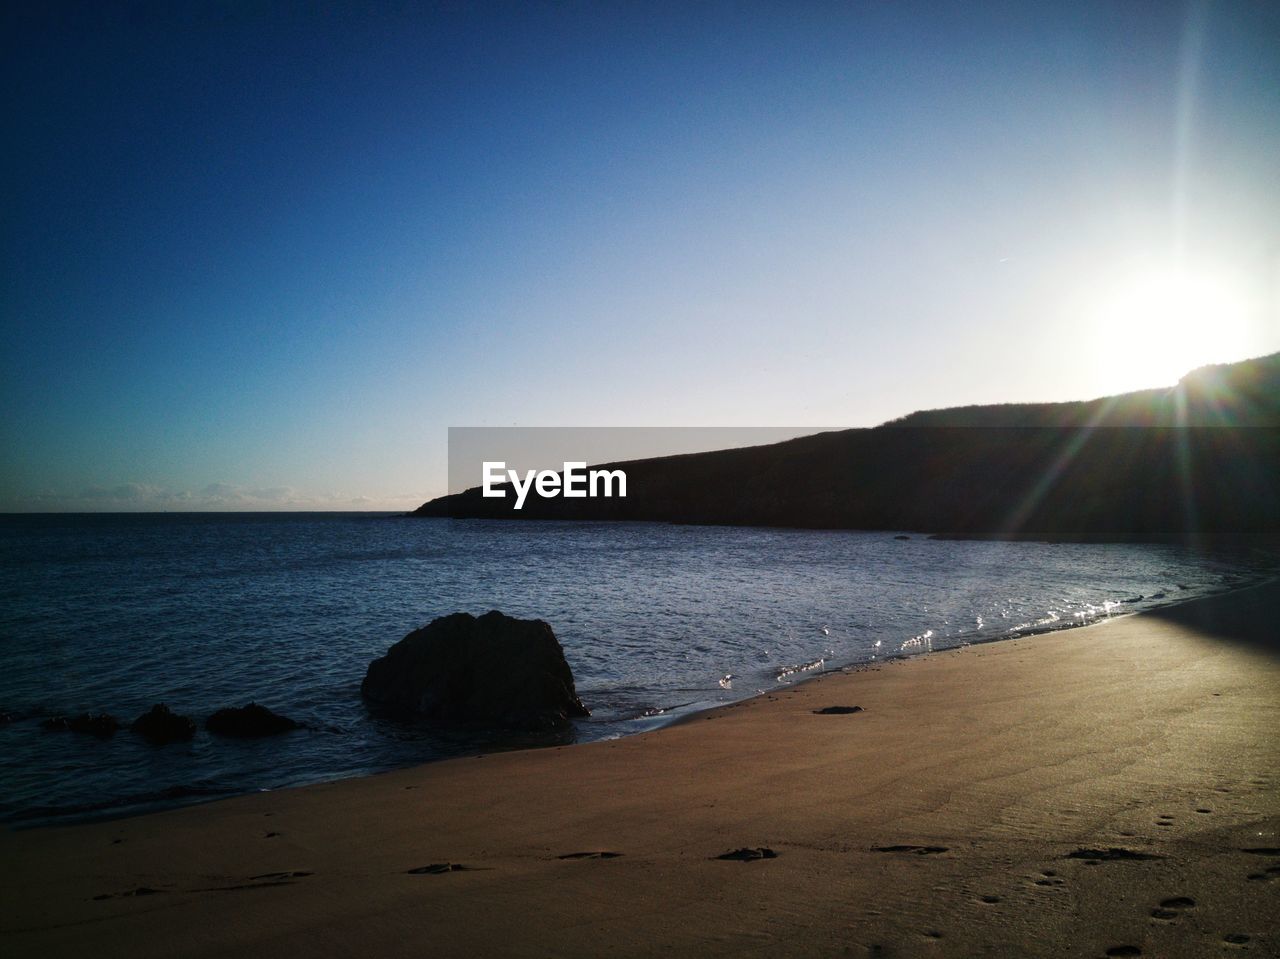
(492, 669)
(249, 721)
(101, 725)
(902, 537)
(160, 725)
(837, 710)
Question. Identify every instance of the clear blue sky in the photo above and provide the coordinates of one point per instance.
(264, 255)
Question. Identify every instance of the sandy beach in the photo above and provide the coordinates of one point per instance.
(1110, 790)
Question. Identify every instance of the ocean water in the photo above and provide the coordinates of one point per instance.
(200, 611)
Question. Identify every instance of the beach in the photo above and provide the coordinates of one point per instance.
(1107, 790)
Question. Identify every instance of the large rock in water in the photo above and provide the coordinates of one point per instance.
(160, 725)
(491, 669)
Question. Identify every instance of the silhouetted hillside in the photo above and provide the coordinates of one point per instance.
(1114, 468)
(1227, 394)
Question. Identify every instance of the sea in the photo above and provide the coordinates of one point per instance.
(113, 613)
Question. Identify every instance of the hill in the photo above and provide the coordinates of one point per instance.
(1200, 460)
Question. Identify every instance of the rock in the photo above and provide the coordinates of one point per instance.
(492, 669)
(102, 725)
(249, 721)
(160, 725)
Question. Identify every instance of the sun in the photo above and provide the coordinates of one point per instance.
(1157, 324)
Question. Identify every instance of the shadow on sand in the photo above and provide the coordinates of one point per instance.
(1249, 617)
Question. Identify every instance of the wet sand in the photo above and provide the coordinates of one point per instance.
(1110, 790)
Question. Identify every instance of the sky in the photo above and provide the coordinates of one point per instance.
(265, 255)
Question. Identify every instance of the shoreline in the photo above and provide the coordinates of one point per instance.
(797, 676)
(969, 808)
(1268, 540)
(806, 675)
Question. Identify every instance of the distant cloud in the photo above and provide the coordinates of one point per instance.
(225, 494)
(127, 492)
(145, 497)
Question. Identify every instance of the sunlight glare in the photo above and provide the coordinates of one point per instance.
(1159, 324)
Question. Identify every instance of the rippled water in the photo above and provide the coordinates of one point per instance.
(114, 613)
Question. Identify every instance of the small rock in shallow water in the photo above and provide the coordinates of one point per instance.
(101, 725)
(249, 721)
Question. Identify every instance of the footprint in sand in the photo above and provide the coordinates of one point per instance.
(989, 900)
(1269, 874)
(264, 880)
(1235, 938)
(749, 854)
(590, 855)
(278, 876)
(1170, 909)
(1112, 854)
(140, 891)
(918, 850)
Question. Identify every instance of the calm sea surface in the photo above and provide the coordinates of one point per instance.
(200, 611)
